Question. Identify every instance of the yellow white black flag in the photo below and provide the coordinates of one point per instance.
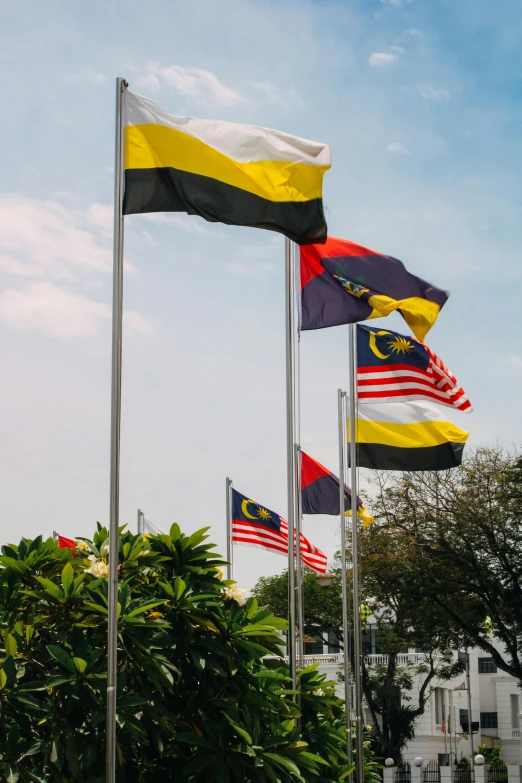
(242, 175)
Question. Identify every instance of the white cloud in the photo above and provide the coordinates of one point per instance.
(250, 268)
(516, 361)
(85, 75)
(429, 93)
(397, 149)
(382, 59)
(58, 240)
(102, 216)
(201, 85)
(12, 266)
(279, 96)
(413, 32)
(397, 49)
(52, 310)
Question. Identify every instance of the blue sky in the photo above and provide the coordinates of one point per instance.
(421, 103)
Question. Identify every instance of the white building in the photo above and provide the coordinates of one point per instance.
(495, 704)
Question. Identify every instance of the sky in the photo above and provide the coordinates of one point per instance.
(421, 103)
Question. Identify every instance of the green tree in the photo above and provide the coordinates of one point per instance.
(402, 623)
(458, 542)
(198, 699)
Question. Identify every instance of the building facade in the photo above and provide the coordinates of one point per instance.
(442, 732)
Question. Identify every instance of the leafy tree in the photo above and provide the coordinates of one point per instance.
(458, 542)
(403, 624)
(197, 698)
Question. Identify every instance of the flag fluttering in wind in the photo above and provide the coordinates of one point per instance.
(242, 175)
(364, 613)
(256, 525)
(66, 543)
(393, 368)
(488, 625)
(343, 283)
(406, 436)
(320, 492)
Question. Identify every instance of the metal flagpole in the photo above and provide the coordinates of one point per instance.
(140, 529)
(299, 561)
(117, 317)
(359, 756)
(468, 683)
(341, 396)
(230, 552)
(290, 453)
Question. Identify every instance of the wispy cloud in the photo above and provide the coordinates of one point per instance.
(413, 32)
(60, 241)
(397, 149)
(53, 310)
(382, 59)
(197, 83)
(395, 3)
(279, 96)
(516, 361)
(85, 75)
(192, 224)
(429, 92)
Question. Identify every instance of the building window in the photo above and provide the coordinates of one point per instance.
(488, 720)
(514, 711)
(371, 641)
(315, 647)
(463, 717)
(438, 698)
(334, 645)
(487, 666)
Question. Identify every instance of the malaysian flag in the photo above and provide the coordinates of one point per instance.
(255, 525)
(394, 368)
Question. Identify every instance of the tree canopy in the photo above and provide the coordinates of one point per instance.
(198, 699)
(457, 536)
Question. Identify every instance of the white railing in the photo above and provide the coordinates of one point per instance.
(371, 660)
(515, 733)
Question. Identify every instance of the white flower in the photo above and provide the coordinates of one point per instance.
(97, 567)
(318, 692)
(81, 546)
(92, 558)
(221, 572)
(105, 549)
(236, 594)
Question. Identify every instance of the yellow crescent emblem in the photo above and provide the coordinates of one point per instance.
(244, 509)
(373, 344)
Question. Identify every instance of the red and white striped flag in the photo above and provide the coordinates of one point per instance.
(394, 368)
(255, 525)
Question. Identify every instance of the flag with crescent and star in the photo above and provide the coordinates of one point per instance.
(343, 283)
(394, 368)
(255, 525)
(320, 492)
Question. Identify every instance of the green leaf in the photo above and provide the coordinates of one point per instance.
(11, 773)
(50, 588)
(61, 656)
(80, 664)
(242, 732)
(179, 587)
(67, 578)
(10, 644)
(283, 762)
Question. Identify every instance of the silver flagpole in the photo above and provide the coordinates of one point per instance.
(299, 562)
(230, 551)
(341, 396)
(359, 748)
(140, 530)
(290, 453)
(117, 318)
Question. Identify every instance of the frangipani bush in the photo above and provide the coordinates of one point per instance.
(198, 699)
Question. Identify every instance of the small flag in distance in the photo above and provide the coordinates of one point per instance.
(320, 492)
(255, 525)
